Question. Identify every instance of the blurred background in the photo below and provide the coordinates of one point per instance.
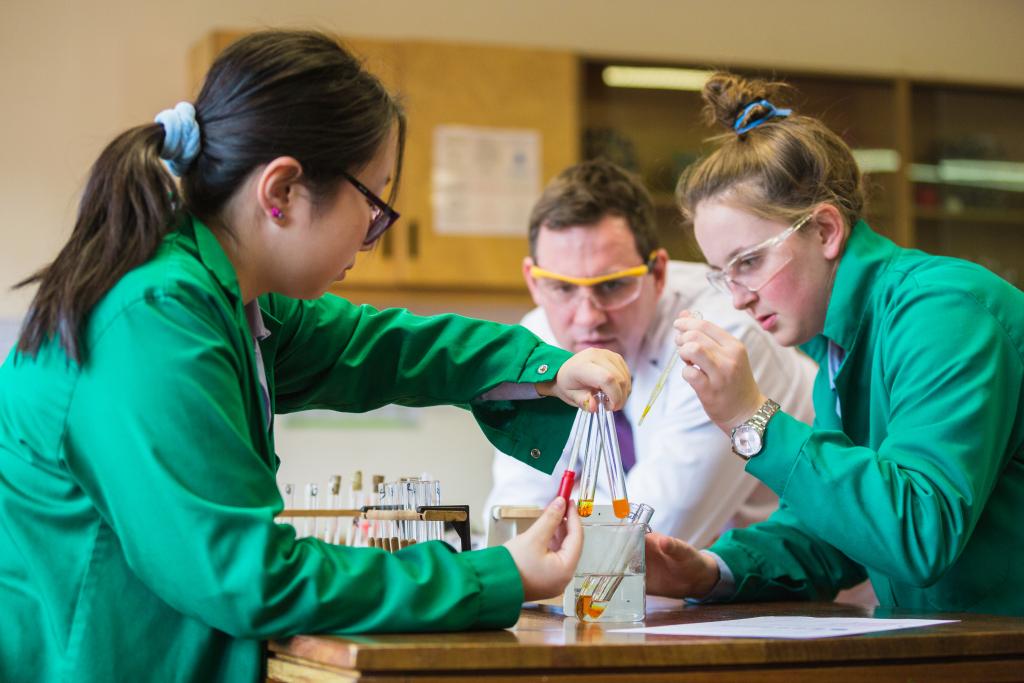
(501, 96)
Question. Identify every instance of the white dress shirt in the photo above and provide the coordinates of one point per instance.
(685, 468)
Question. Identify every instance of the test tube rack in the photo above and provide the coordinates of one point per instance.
(456, 515)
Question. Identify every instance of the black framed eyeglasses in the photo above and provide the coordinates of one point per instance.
(383, 216)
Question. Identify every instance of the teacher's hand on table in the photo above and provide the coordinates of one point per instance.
(678, 570)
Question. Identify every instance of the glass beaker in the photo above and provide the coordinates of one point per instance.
(608, 584)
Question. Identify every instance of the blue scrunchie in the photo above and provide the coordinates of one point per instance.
(772, 113)
(181, 137)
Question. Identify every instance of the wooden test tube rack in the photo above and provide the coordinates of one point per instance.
(458, 515)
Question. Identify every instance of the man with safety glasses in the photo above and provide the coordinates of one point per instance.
(599, 278)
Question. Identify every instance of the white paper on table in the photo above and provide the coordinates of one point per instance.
(785, 627)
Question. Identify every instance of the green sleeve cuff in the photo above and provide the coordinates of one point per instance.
(543, 364)
(501, 588)
(532, 431)
(784, 441)
(745, 566)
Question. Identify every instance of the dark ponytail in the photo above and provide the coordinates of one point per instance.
(127, 208)
(271, 94)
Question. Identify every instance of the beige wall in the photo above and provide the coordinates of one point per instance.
(74, 73)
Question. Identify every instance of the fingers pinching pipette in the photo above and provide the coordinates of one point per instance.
(660, 384)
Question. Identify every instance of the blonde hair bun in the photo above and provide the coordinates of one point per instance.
(726, 95)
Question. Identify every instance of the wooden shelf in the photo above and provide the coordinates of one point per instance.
(664, 200)
(971, 215)
(658, 132)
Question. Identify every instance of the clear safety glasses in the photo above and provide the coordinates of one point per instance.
(755, 267)
(606, 292)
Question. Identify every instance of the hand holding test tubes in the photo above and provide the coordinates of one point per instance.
(593, 436)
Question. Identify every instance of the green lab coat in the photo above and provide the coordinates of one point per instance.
(137, 492)
(920, 483)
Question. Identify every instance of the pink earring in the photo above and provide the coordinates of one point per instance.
(277, 213)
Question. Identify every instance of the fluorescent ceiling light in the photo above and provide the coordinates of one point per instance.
(998, 175)
(664, 78)
(877, 160)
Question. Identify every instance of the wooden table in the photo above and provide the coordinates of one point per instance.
(544, 645)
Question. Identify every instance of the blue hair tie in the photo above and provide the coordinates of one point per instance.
(772, 113)
(181, 137)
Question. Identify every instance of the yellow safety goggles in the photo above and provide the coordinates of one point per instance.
(606, 292)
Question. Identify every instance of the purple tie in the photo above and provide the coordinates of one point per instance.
(624, 432)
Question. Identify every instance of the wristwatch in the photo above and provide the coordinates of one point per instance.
(748, 437)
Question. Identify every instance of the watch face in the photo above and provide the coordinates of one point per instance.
(746, 440)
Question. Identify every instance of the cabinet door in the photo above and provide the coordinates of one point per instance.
(384, 266)
(494, 87)
(449, 84)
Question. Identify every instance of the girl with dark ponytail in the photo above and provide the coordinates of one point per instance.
(137, 462)
(912, 474)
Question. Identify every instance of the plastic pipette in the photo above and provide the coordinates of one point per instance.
(660, 384)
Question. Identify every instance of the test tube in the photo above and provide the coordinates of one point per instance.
(639, 514)
(612, 458)
(355, 494)
(591, 464)
(436, 528)
(413, 529)
(380, 529)
(332, 524)
(397, 528)
(312, 490)
(407, 493)
(289, 500)
(572, 446)
(425, 495)
(368, 529)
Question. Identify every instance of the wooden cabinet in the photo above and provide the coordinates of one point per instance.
(967, 175)
(452, 84)
(446, 84)
(944, 164)
(658, 132)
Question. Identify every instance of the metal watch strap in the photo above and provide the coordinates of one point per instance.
(759, 420)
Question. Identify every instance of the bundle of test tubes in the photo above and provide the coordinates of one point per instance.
(594, 439)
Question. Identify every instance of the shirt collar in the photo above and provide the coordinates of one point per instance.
(255, 319)
(866, 258)
(213, 257)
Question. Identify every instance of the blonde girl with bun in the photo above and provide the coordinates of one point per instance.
(912, 474)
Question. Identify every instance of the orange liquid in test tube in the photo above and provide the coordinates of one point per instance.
(585, 607)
